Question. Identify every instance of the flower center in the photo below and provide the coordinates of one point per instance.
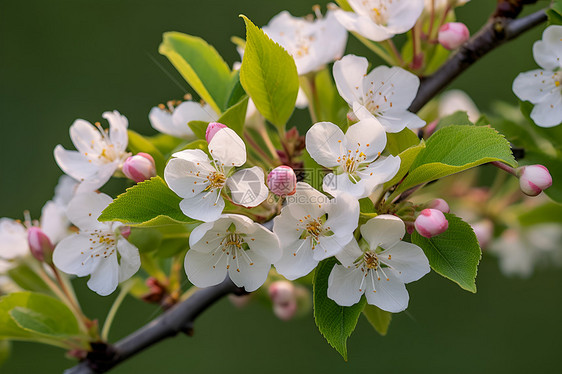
(234, 247)
(378, 10)
(313, 228)
(371, 260)
(102, 244)
(216, 180)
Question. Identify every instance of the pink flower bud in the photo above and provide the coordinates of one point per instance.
(484, 231)
(285, 311)
(282, 181)
(40, 245)
(212, 129)
(125, 231)
(453, 34)
(281, 291)
(533, 179)
(139, 167)
(440, 205)
(431, 222)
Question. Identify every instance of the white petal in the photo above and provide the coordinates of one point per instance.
(199, 232)
(407, 261)
(228, 148)
(391, 295)
(251, 277)
(74, 163)
(379, 172)
(72, 255)
(297, 260)
(548, 51)
(366, 136)
(118, 124)
(86, 138)
(339, 184)
(534, 85)
(325, 142)
(13, 239)
(264, 243)
(403, 15)
(306, 201)
(329, 246)
(161, 120)
(392, 88)
(344, 285)
(363, 25)
(105, 278)
(84, 210)
(343, 215)
(204, 270)
(350, 253)
(284, 227)
(247, 187)
(187, 178)
(54, 222)
(191, 111)
(130, 261)
(384, 231)
(548, 113)
(65, 190)
(100, 177)
(348, 74)
(301, 103)
(206, 206)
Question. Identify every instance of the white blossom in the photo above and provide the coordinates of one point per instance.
(100, 153)
(173, 121)
(200, 180)
(312, 44)
(354, 156)
(381, 270)
(311, 228)
(456, 100)
(98, 249)
(233, 245)
(543, 87)
(380, 20)
(384, 92)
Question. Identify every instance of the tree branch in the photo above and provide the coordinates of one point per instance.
(496, 32)
(178, 319)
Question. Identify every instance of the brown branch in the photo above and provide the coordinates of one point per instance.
(177, 319)
(496, 32)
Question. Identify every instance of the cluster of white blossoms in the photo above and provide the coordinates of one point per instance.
(543, 87)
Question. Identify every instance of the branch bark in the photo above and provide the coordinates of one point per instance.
(178, 319)
(496, 32)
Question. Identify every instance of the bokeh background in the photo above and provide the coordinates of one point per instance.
(67, 59)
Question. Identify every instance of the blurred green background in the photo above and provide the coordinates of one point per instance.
(67, 59)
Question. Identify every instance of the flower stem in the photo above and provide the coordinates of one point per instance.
(125, 288)
(376, 49)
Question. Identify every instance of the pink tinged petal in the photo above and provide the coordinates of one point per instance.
(406, 260)
(534, 86)
(346, 285)
(105, 277)
(325, 142)
(54, 221)
(297, 260)
(548, 51)
(391, 294)
(329, 246)
(118, 124)
(187, 178)
(368, 137)
(13, 239)
(247, 187)
(204, 269)
(350, 253)
(343, 216)
(453, 34)
(84, 210)
(348, 74)
(74, 163)
(74, 256)
(197, 156)
(250, 275)
(130, 261)
(264, 243)
(86, 138)
(139, 167)
(548, 113)
(384, 231)
(228, 148)
(212, 129)
(206, 206)
(431, 222)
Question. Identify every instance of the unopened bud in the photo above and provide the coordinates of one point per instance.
(533, 179)
(139, 167)
(281, 291)
(484, 231)
(440, 205)
(453, 34)
(125, 231)
(285, 311)
(282, 181)
(212, 129)
(431, 222)
(40, 245)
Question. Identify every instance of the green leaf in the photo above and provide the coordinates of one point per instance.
(37, 317)
(457, 118)
(27, 279)
(145, 239)
(314, 172)
(344, 5)
(336, 323)
(407, 158)
(269, 76)
(199, 128)
(5, 350)
(235, 116)
(546, 213)
(400, 141)
(329, 106)
(554, 166)
(454, 254)
(555, 14)
(440, 55)
(237, 91)
(164, 143)
(148, 201)
(139, 143)
(454, 149)
(378, 318)
(201, 66)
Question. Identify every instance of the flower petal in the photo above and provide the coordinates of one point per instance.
(329, 246)
(393, 87)
(187, 178)
(191, 111)
(105, 278)
(84, 210)
(228, 148)
(118, 124)
(264, 243)
(363, 25)
(13, 239)
(74, 163)
(384, 231)
(54, 222)
(548, 51)
(350, 253)
(247, 187)
(407, 260)
(548, 113)
(206, 206)
(343, 215)
(344, 285)
(348, 74)
(325, 142)
(250, 275)
(72, 255)
(203, 269)
(366, 136)
(86, 138)
(297, 260)
(379, 172)
(130, 261)
(534, 85)
(391, 294)
(101, 176)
